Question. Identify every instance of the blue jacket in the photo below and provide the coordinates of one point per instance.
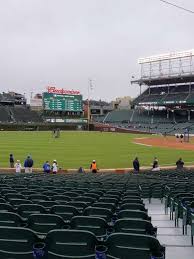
(28, 162)
(46, 167)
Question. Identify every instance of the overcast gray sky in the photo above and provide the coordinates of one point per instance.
(65, 42)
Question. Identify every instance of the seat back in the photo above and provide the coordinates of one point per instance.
(65, 211)
(16, 242)
(121, 245)
(26, 210)
(137, 226)
(43, 223)
(93, 224)
(98, 212)
(71, 244)
(132, 214)
(10, 219)
(133, 206)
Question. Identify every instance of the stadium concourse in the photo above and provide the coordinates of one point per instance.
(139, 216)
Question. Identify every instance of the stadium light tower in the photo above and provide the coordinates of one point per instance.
(90, 87)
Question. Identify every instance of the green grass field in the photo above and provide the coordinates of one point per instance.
(75, 149)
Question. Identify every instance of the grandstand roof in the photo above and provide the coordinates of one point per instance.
(165, 80)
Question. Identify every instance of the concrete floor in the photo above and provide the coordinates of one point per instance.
(177, 245)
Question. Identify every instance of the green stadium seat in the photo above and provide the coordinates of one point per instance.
(43, 223)
(75, 244)
(97, 226)
(10, 219)
(125, 246)
(65, 211)
(80, 206)
(16, 202)
(136, 226)
(17, 243)
(133, 214)
(6, 207)
(26, 210)
(61, 197)
(133, 206)
(98, 212)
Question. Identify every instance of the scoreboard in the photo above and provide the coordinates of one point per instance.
(62, 102)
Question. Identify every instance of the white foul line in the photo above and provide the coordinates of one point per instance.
(142, 144)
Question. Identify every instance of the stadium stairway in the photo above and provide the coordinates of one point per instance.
(177, 245)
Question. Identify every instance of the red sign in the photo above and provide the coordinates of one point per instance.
(54, 90)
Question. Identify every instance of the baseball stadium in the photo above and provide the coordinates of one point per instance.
(96, 129)
(120, 181)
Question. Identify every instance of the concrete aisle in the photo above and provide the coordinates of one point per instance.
(177, 245)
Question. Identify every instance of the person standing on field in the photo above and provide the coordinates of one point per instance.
(18, 167)
(180, 164)
(93, 167)
(28, 164)
(136, 165)
(11, 161)
(55, 167)
(46, 167)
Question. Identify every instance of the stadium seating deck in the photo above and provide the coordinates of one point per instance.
(129, 214)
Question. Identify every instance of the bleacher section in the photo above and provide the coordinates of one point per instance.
(118, 116)
(165, 94)
(4, 114)
(22, 114)
(123, 214)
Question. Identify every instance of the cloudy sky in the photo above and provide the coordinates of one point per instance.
(65, 42)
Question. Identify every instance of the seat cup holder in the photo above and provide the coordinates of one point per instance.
(39, 250)
(101, 252)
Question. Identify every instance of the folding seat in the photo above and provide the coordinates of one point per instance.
(133, 206)
(10, 219)
(98, 212)
(43, 223)
(50, 194)
(61, 197)
(72, 195)
(125, 246)
(92, 195)
(5, 191)
(136, 226)
(105, 205)
(79, 192)
(65, 211)
(108, 200)
(6, 207)
(80, 206)
(114, 196)
(114, 192)
(47, 204)
(131, 200)
(26, 210)
(131, 196)
(85, 199)
(97, 191)
(2, 200)
(133, 214)
(75, 244)
(16, 242)
(10, 196)
(27, 193)
(97, 226)
(59, 191)
(16, 202)
(38, 197)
